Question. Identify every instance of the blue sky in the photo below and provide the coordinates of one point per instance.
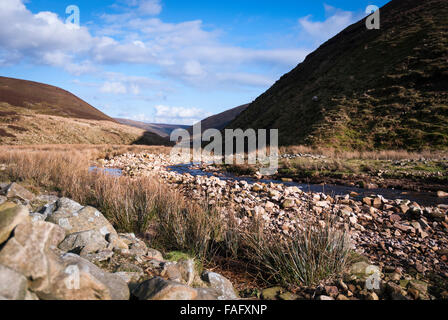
(169, 61)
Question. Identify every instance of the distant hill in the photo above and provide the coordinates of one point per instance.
(221, 120)
(367, 89)
(45, 99)
(163, 130)
(36, 113)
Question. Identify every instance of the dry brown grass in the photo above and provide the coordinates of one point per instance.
(368, 155)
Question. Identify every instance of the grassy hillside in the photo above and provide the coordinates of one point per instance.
(19, 126)
(45, 99)
(221, 120)
(36, 113)
(367, 89)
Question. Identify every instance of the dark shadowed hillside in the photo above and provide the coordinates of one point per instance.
(221, 120)
(367, 89)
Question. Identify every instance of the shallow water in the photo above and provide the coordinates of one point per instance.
(422, 198)
(112, 171)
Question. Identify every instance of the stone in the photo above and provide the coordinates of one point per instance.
(100, 256)
(31, 253)
(332, 291)
(288, 203)
(288, 296)
(160, 289)
(31, 296)
(3, 199)
(206, 294)
(420, 286)
(87, 218)
(171, 271)
(367, 201)
(66, 205)
(130, 277)
(154, 254)
(372, 296)
(11, 215)
(16, 191)
(187, 271)
(271, 293)
(84, 242)
(269, 206)
(436, 215)
(325, 298)
(13, 285)
(442, 194)
(93, 284)
(221, 284)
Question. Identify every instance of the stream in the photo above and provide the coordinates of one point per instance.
(422, 198)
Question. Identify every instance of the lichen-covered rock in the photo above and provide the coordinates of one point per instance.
(11, 215)
(84, 242)
(13, 285)
(87, 218)
(82, 280)
(160, 289)
(31, 253)
(221, 284)
(16, 191)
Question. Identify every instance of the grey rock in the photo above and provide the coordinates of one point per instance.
(100, 256)
(13, 285)
(3, 199)
(11, 215)
(94, 283)
(88, 218)
(160, 289)
(84, 242)
(221, 284)
(16, 191)
(31, 252)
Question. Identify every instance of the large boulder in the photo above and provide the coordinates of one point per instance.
(221, 285)
(160, 289)
(82, 280)
(16, 191)
(11, 215)
(31, 253)
(74, 218)
(13, 285)
(84, 242)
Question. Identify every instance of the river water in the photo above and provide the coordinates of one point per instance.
(422, 198)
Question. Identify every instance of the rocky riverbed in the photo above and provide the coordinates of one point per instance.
(407, 241)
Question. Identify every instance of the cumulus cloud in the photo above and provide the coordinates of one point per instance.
(114, 88)
(179, 115)
(336, 21)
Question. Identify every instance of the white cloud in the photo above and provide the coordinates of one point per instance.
(114, 87)
(150, 7)
(336, 21)
(247, 79)
(179, 115)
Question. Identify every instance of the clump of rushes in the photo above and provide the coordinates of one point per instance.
(189, 227)
(304, 258)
